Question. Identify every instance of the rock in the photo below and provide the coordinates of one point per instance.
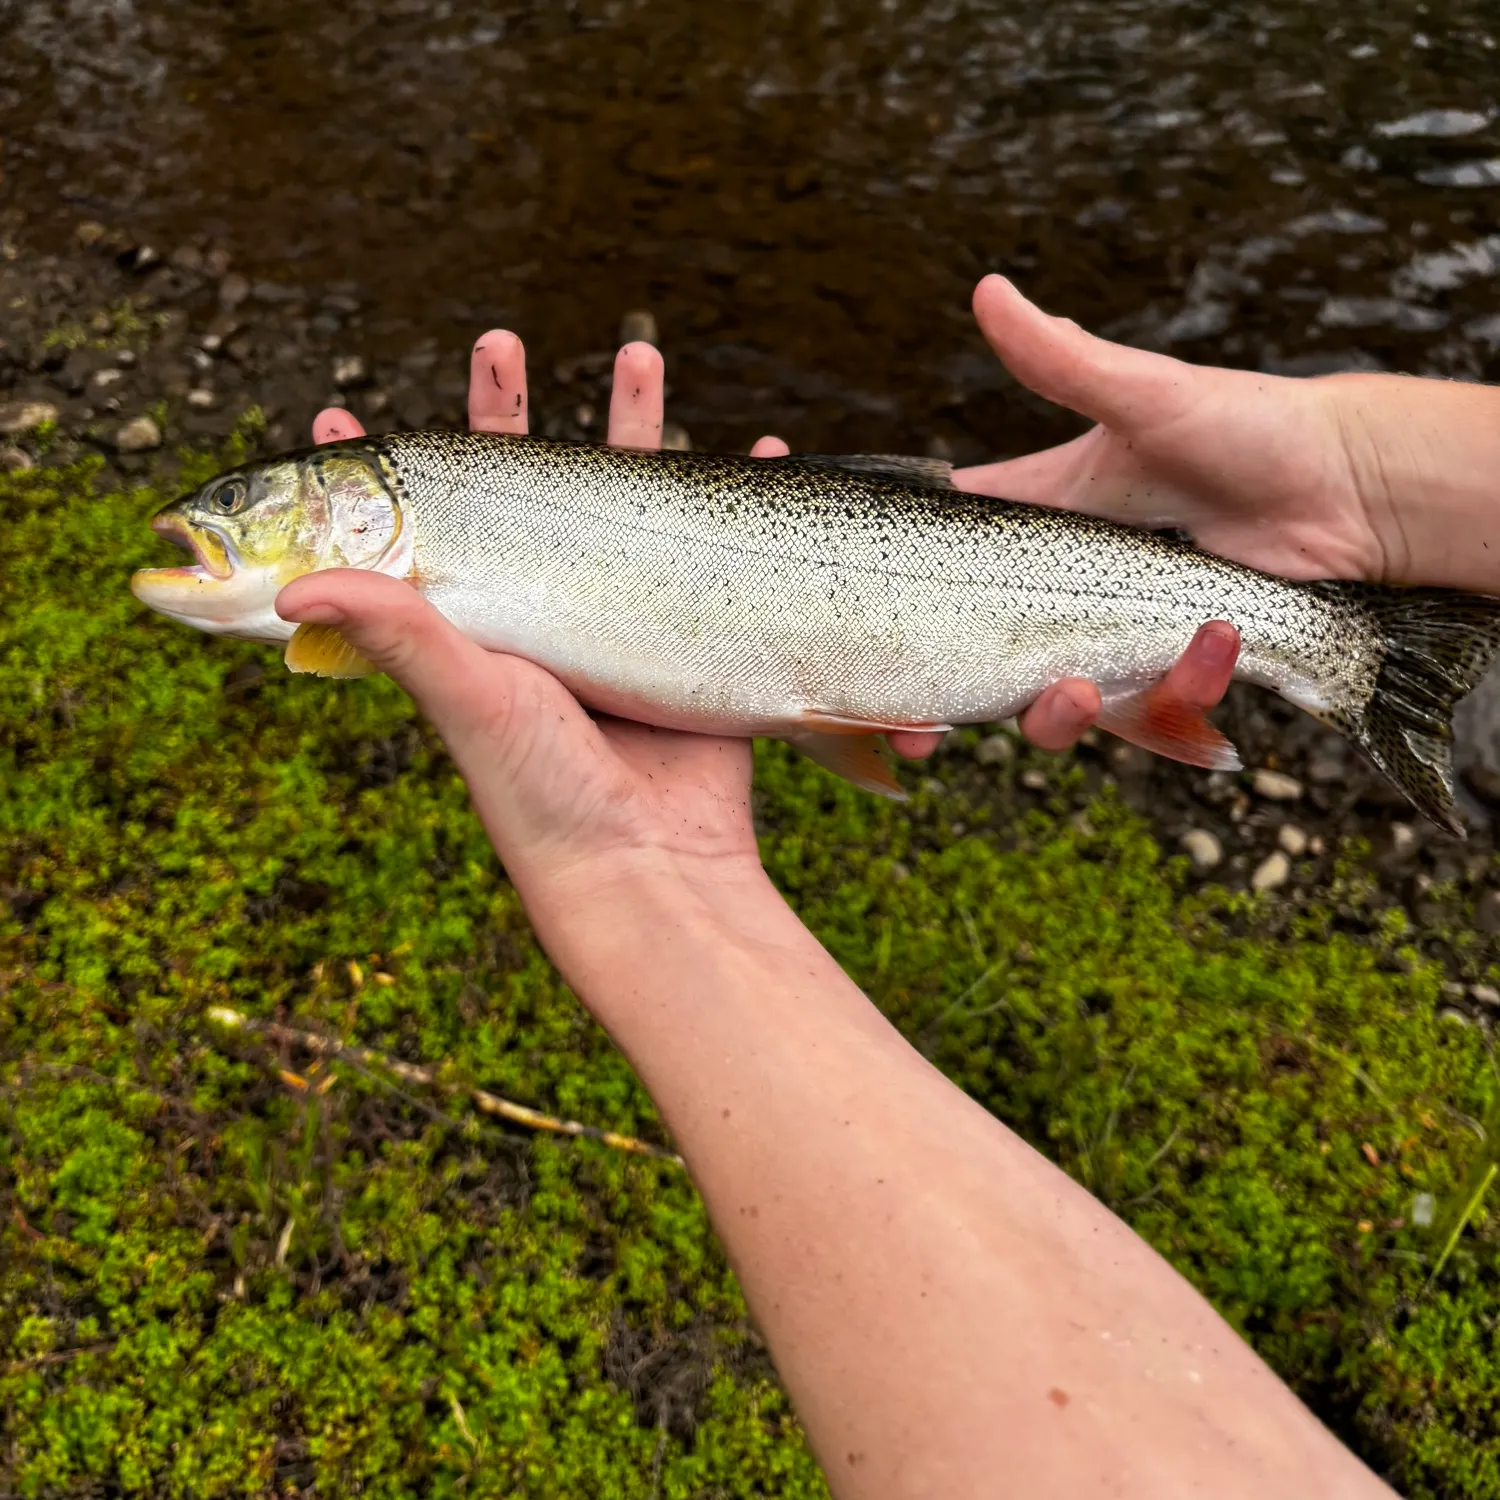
(1276, 786)
(1034, 780)
(584, 414)
(1452, 991)
(349, 370)
(675, 437)
(200, 398)
(101, 380)
(138, 436)
(1272, 873)
(1485, 994)
(1403, 838)
(638, 326)
(995, 750)
(90, 232)
(1454, 1017)
(25, 416)
(13, 460)
(1202, 848)
(1487, 912)
(1292, 840)
(233, 290)
(1326, 766)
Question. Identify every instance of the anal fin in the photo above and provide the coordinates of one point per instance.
(1156, 721)
(323, 651)
(859, 758)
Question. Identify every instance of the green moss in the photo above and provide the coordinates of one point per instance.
(215, 1280)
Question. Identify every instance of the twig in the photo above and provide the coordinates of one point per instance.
(490, 1104)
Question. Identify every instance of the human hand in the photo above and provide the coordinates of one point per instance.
(1344, 476)
(570, 802)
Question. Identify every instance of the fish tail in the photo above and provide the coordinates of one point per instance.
(1438, 644)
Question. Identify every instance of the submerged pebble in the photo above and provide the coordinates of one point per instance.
(1276, 786)
(1202, 848)
(1272, 873)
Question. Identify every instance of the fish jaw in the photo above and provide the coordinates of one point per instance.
(212, 594)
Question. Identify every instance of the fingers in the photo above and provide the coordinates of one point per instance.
(769, 447)
(497, 384)
(1202, 674)
(1061, 714)
(914, 744)
(334, 423)
(1109, 383)
(1200, 677)
(636, 399)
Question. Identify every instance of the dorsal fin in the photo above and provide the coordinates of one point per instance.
(928, 473)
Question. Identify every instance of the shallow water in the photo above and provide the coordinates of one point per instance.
(804, 193)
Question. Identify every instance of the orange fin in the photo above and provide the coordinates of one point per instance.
(820, 721)
(1156, 721)
(321, 650)
(857, 758)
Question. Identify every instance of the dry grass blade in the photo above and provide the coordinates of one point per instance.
(490, 1104)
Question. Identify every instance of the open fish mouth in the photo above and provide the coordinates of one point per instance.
(208, 548)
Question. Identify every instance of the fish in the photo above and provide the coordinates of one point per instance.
(824, 600)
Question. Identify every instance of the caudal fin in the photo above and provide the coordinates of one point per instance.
(1438, 644)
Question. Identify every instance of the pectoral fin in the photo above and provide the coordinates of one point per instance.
(321, 650)
(1165, 725)
(860, 758)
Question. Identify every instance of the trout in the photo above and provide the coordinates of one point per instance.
(823, 600)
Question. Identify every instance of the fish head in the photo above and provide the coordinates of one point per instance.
(251, 531)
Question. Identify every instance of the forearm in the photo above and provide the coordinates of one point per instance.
(1425, 460)
(950, 1312)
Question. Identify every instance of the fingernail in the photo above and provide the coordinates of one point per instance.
(319, 614)
(1218, 644)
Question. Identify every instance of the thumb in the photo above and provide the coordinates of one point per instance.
(467, 692)
(1123, 388)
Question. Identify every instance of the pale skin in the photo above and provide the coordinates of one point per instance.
(950, 1312)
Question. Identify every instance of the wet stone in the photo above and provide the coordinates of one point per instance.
(1276, 786)
(233, 290)
(1485, 994)
(25, 416)
(1291, 840)
(994, 750)
(13, 460)
(1403, 838)
(138, 436)
(349, 371)
(1200, 846)
(1272, 873)
(1034, 780)
(676, 437)
(201, 398)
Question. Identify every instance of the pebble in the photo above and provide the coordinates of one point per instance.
(1272, 873)
(1292, 840)
(1403, 838)
(1452, 991)
(103, 379)
(233, 290)
(1034, 780)
(1276, 786)
(676, 437)
(13, 460)
(994, 750)
(1454, 1017)
(349, 370)
(1487, 912)
(1326, 766)
(138, 436)
(25, 416)
(638, 326)
(1202, 848)
(1485, 994)
(201, 398)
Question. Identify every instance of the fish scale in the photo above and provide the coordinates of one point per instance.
(820, 599)
(740, 593)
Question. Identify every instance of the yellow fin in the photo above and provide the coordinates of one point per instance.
(321, 650)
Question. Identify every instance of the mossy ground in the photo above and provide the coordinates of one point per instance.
(227, 1270)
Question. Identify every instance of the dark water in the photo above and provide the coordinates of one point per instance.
(804, 193)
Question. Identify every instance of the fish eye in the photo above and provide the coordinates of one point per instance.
(228, 498)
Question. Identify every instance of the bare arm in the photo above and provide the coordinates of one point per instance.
(951, 1313)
